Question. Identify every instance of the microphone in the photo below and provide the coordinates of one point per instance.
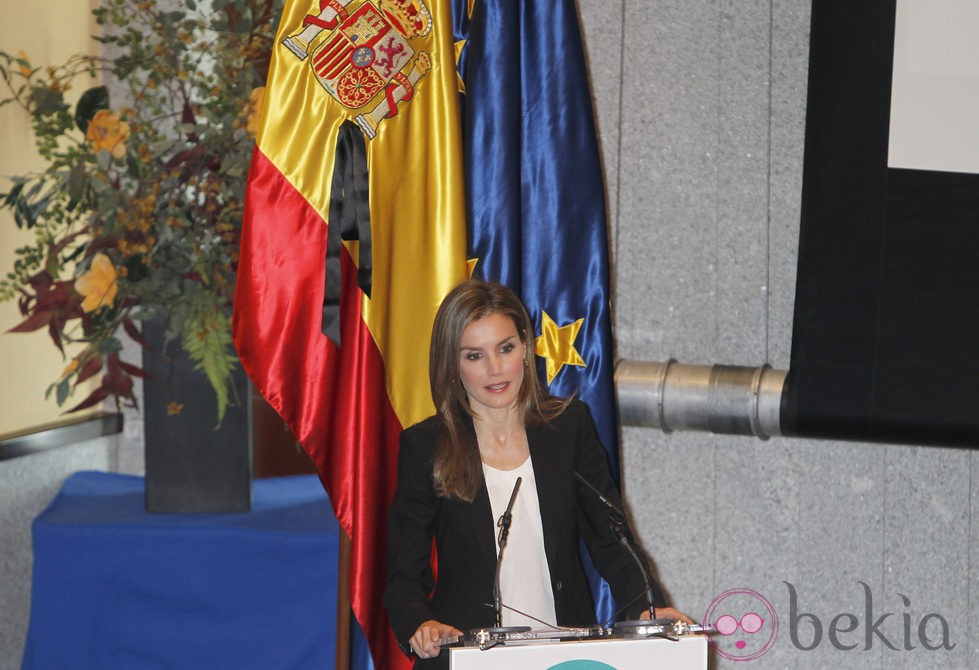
(615, 514)
(504, 525)
(616, 521)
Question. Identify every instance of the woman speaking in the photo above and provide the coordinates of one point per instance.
(458, 473)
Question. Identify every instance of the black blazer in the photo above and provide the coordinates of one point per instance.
(465, 533)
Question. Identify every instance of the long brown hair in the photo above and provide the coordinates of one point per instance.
(457, 467)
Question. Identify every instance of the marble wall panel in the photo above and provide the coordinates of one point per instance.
(757, 494)
(667, 214)
(601, 25)
(840, 544)
(743, 192)
(668, 481)
(929, 530)
(789, 73)
(971, 585)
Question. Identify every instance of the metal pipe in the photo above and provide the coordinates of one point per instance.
(727, 399)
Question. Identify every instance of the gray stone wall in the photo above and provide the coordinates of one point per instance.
(701, 112)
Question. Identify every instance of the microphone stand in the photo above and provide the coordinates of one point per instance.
(504, 525)
(616, 522)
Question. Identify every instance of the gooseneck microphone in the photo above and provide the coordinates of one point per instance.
(616, 521)
(504, 525)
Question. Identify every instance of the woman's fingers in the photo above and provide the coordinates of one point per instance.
(671, 613)
(425, 642)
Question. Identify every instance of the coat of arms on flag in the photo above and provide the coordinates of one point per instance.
(358, 55)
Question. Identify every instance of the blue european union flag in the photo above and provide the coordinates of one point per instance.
(535, 192)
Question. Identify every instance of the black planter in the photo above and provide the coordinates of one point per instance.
(192, 466)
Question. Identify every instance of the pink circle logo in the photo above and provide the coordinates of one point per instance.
(742, 624)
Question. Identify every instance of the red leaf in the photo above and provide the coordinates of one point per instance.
(97, 244)
(112, 368)
(131, 398)
(92, 365)
(35, 321)
(178, 158)
(187, 115)
(55, 332)
(187, 118)
(94, 398)
(42, 280)
(24, 303)
(62, 291)
(124, 387)
(133, 332)
(116, 381)
(135, 371)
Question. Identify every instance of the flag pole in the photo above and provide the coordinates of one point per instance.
(343, 603)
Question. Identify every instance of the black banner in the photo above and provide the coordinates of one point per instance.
(885, 343)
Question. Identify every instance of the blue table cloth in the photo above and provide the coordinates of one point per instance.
(116, 587)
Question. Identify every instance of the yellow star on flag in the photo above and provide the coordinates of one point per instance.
(556, 345)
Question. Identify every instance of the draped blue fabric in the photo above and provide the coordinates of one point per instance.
(535, 192)
(116, 588)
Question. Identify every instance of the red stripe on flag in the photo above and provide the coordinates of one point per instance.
(330, 62)
(333, 399)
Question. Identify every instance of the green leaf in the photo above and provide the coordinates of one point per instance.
(104, 160)
(110, 345)
(24, 215)
(132, 166)
(77, 183)
(209, 346)
(45, 101)
(91, 102)
(10, 198)
(64, 390)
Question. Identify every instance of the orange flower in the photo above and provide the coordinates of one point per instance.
(107, 131)
(71, 368)
(24, 69)
(253, 110)
(98, 285)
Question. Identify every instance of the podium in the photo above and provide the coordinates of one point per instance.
(687, 653)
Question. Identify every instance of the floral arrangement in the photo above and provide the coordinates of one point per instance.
(137, 213)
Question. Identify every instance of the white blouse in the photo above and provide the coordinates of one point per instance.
(525, 580)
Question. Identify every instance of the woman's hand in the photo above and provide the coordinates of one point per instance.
(425, 642)
(666, 613)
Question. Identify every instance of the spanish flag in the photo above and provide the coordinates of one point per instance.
(354, 230)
